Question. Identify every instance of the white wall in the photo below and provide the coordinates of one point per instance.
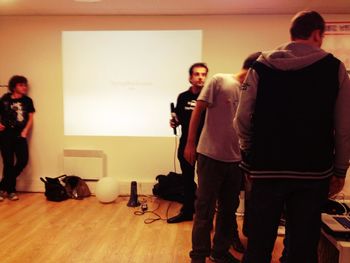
(31, 45)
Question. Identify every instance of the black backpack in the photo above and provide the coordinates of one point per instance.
(169, 187)
(54, 190)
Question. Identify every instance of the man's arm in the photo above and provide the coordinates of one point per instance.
(28, 126)
(245, 110)
(2, 126)
(190, 149)
(342, 133)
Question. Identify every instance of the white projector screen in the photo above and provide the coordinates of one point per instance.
(121, 83)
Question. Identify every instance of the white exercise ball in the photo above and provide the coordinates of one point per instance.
(107, 189)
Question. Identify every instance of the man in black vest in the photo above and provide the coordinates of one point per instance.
(294, 129)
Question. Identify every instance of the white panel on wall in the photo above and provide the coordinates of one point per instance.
(87, 164)
(120, 83)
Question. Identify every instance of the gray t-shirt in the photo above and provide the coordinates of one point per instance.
(218, 139)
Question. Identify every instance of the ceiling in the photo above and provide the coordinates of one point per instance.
(170, 7)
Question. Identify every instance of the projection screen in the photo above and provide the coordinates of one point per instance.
(121, 83)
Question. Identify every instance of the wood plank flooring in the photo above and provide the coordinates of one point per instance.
(33, 230)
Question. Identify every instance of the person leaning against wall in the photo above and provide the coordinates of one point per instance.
(16, 113)
(294, 130)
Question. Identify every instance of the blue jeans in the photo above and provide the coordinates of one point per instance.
(302, 200)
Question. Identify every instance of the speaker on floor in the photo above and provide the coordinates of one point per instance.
(133, 201)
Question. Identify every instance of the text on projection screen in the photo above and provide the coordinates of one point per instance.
(121, 83)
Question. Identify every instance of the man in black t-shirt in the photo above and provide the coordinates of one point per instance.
(186, 102)
(16, 112)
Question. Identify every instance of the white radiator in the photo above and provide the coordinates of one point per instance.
(90, 165)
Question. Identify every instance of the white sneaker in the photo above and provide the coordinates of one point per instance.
(2, 195)
(281, 231)
(12, 197)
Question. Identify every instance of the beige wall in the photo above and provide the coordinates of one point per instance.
(31, 45)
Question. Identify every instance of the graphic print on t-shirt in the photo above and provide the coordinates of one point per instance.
(191, 105)
(18, 108)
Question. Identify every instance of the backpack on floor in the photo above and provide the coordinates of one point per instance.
(76, 187)
(54, 190)
(169, 187)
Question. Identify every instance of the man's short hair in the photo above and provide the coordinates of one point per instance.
(304, 23)
(16, 80)
(249, 61)
(197, 65)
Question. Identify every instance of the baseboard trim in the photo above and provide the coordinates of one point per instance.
(143, 187)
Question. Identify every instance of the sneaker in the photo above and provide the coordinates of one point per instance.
(1, 199)
(281, 230)
(2, 195)
(13, 197)
(227, 258)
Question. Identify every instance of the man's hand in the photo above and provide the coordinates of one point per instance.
(24, 134)
(2, 127)
(174, 122)
(190, 153)
(336, 185)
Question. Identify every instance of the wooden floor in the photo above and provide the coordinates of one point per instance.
(33, 230)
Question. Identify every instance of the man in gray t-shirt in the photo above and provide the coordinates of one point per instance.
(219, 177)
(219, 140)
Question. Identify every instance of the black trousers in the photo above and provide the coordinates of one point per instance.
(14, 152)
(247, 190)
(302, 201)
(188, 182)
(218, 184)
